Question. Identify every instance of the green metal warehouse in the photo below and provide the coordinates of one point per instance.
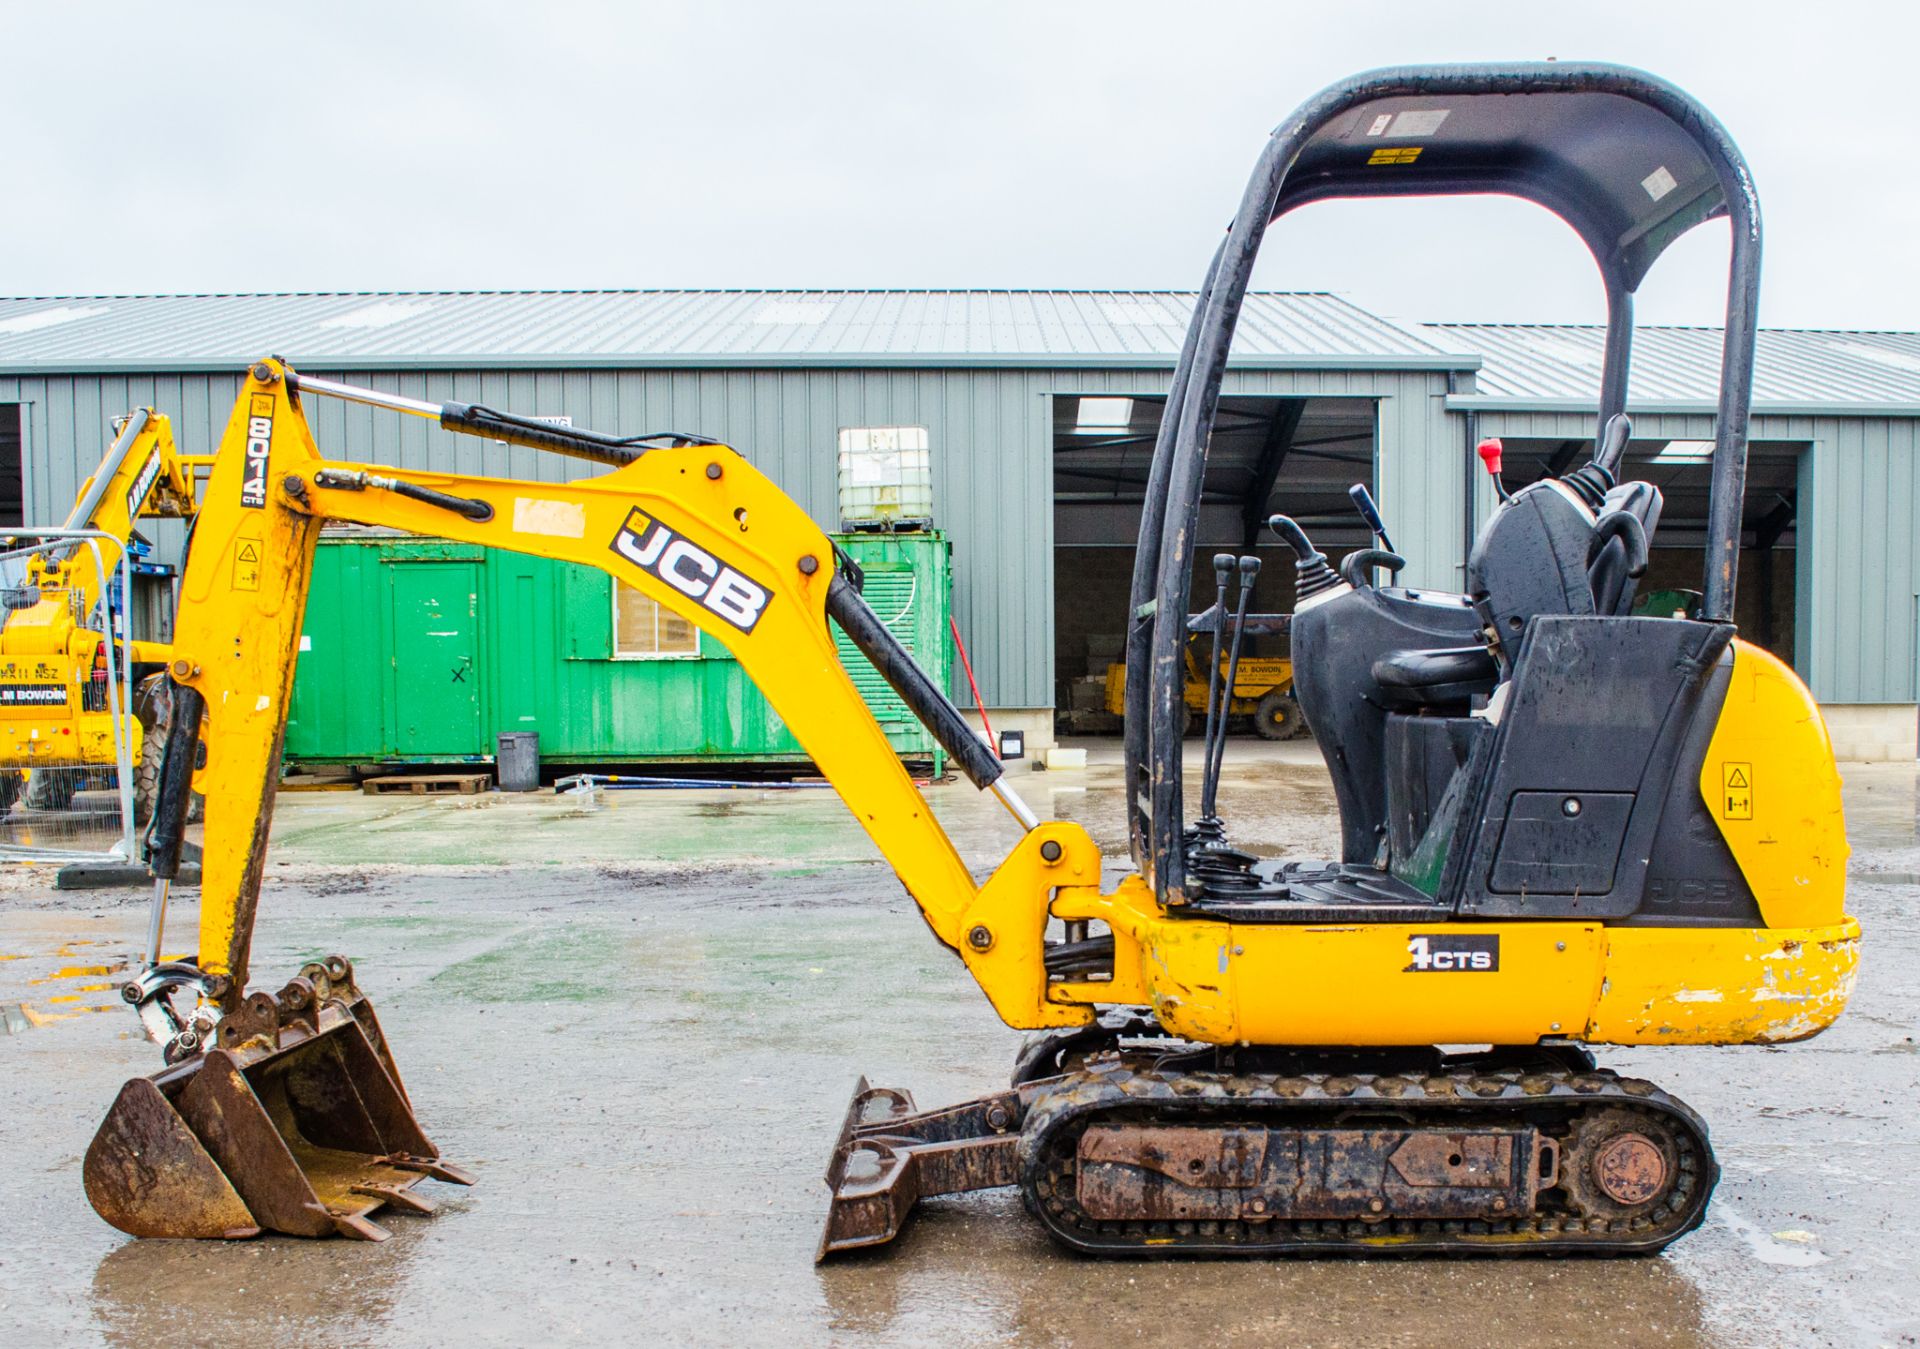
(1039, 409)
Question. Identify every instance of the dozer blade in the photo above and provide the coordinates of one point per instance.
(888, 1157)
(296, 1123)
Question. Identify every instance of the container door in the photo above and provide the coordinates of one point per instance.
(435, 680)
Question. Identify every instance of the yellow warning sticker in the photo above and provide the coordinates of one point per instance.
(246, 564)
(262, 405)
(1395, 154)
(1736, 797)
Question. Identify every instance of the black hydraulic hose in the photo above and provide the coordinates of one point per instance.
(935, 710)
(1151, 708)
(169, 827)
(471, 507)
(475, 419)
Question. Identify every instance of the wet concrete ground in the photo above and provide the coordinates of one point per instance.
(638, 1022)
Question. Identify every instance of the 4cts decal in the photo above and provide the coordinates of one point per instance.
(691, 570)
(253, 479)
(1452, 953)
(143, 484)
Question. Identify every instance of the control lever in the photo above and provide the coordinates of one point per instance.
(1311, 574)
(1222, 574)
(1613, 444)
(1217, 747)
(1363, 502)
(1489, 451)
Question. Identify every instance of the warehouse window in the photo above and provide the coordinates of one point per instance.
(644, 630)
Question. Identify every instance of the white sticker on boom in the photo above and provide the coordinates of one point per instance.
(555, 519)
(1380, 124)
(1659, 183)
(1419, 122)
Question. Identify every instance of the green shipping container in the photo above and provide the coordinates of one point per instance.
(421, 651)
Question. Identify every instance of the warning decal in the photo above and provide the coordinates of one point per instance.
(1399, 154)
(1736, 796)
(246, 564)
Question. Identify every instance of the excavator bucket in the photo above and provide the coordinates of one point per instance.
(294, 1122)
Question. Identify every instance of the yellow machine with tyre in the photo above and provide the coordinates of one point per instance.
(1262, 694)
(1563, 826)
(61, 713)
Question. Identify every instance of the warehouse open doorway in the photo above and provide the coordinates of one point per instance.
(12, 466)
(1268, 454)
(1766, 599)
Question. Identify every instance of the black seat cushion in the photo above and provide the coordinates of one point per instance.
(1442, 677)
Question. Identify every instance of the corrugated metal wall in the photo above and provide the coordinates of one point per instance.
(991, 435)
(1857, 575)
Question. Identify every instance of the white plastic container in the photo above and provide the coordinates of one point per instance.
(886, 477)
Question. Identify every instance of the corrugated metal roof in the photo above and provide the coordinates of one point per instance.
(690, 328)
(1552, 366)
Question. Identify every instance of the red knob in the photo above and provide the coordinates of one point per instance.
(1489, 452)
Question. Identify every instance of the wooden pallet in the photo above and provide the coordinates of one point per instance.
(437, 784)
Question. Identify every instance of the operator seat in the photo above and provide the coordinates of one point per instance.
(1556, 548)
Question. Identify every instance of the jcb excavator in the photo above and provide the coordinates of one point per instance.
(58, 698)
(1563, 825)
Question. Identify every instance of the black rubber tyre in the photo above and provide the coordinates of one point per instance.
(152, 749)
(1277, 717)
(153, 705)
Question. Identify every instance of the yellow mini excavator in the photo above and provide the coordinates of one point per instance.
(1563, 825)
(59, 698)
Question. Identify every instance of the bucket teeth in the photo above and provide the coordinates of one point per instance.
(398, 1197)
(436, 1167)
(358, 1227)
(303, 1128)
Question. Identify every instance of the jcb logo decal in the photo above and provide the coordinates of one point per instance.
(253, 481)
(1452, 953)
(691, 570)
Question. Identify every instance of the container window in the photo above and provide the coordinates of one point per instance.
(645, 630)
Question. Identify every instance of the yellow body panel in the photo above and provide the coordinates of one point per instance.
(1724, 985)
(1355, 984)
(1770, 782)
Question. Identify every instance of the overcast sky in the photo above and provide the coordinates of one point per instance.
(177, 147)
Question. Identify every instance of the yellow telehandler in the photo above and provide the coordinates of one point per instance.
(61, 709)
(1563, 825)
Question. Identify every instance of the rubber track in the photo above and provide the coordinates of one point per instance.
(1467, 1098)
